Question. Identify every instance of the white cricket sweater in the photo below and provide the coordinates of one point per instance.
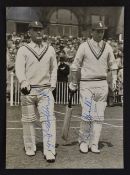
(94, 61)
(37, 68)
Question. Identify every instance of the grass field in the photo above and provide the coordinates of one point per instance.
(68, 155)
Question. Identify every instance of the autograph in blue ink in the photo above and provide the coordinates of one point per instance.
(88, 116)
(47, 115)
(88, 104)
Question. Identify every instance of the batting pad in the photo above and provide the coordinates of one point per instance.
(85, 131)
(96, 131)
(29, 135)
(49, 136)
(96, 112)
(28, 113)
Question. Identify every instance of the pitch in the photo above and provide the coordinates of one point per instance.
(68, 155)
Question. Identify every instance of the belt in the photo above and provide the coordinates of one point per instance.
(39, 86)
(94, 79)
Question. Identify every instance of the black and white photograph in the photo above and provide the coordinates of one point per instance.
(64, 87)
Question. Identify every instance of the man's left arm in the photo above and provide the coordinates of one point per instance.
(53, 69)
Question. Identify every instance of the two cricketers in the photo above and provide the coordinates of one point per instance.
(95, 57)
(36, 70)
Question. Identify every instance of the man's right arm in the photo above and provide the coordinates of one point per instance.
(75, 67)
(20, 65)
(20, 71)
(78, 58)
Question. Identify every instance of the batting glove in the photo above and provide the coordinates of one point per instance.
(73, 87)
(25, 87)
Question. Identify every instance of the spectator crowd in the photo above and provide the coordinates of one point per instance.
(65, 48)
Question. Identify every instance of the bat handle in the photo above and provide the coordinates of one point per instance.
(70, 99)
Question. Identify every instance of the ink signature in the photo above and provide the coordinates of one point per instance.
(47, 115)
(87, 114)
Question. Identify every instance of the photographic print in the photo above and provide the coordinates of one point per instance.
(64, 87)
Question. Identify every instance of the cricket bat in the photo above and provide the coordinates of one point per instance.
(68, 114)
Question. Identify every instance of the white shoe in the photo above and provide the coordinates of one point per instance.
(50, 157)
(94, 149)
(30, 152)
(83, 147)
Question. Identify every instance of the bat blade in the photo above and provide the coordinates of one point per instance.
(66, 124)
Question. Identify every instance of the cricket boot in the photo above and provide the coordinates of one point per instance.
(50, 157)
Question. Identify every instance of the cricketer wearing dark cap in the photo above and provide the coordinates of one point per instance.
(95, 57)
(98, 30)
(36, 70)
(36, 31)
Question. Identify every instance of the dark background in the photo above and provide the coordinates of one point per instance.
(3, 4)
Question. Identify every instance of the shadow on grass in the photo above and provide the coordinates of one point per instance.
(39, 146)
(70, 143)
(101, 144)
(104, 143)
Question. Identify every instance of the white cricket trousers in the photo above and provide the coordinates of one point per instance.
(39, 102)
(93, 96)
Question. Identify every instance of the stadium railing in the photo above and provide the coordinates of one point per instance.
(61, 93)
